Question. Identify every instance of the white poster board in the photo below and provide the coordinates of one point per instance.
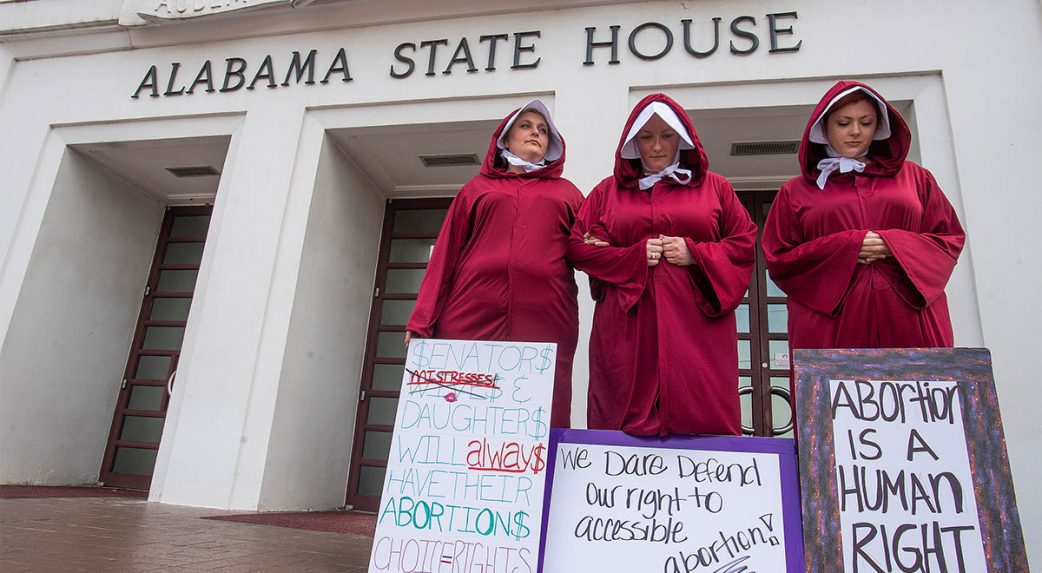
(466, 471)
(906, 500)
(676, 505)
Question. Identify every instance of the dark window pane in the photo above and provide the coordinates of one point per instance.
(163, 337)
(746, 401)
(134, 461)
(388, 376)
(411, 250)
(404, 281)
(772, 289)
(391, 345)
(744, 359)
(396, 311)
(176, 281)
(146, 398)
(382, 410)
(377, 445)
(779, 353)
(183, 254)
(741, 318)
(419, 220)
(371, 481)
(142, 429)
(777, 318)
(190, 226)
(170, 309)
(152, 367)
(781, 411)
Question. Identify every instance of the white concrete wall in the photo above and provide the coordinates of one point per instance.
(64, 355)
(215, 441)
(309, 451)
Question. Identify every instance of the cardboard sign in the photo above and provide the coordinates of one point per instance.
(466, 471)
(678, 504)
(903, 450)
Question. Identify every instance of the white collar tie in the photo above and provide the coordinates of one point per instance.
(528, 166)
(674, 172)
(830, 164)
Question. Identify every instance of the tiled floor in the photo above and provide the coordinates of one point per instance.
(121, 534)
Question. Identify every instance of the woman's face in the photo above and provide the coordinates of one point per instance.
(528, 137)
(850, 128)
(657, 144)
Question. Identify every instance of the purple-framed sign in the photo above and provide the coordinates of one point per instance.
(903, 462)
(677, 504)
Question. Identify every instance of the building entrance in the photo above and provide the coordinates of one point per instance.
(151, 372)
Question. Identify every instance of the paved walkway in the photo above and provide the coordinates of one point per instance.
(122, 534)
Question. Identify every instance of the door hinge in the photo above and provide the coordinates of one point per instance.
(376, 293)
(361, 396)
(123, 386)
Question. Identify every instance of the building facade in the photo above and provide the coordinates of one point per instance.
(214, 214)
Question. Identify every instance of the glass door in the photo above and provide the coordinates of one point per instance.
(137, 424)
(763, 341)
(410, 229)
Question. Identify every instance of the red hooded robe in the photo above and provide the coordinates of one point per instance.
(812, 238)
(663, 351)
(498, 270)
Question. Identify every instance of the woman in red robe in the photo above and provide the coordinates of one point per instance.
(864, 241)
(669, 250)
(498, 270)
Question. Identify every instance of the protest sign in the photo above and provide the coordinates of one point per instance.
(676, 504)
(465, 475)
(903, 462)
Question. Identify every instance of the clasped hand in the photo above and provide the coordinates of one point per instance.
(671, 249)
(873, 248)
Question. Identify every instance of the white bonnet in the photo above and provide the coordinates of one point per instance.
(817, 131)
(555, 147)
(629, 149)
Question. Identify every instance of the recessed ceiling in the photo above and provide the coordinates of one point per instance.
(392, 156)
(147, 164)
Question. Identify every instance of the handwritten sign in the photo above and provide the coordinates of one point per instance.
(903, 474)
(466, 472)
(679, 504)
(904, 450)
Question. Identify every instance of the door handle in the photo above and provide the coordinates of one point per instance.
(170, 383)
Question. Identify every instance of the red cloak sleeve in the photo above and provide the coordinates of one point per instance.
(624, 267)
(722, 268)
(447, 248)
(928, 257)
(816, 273)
